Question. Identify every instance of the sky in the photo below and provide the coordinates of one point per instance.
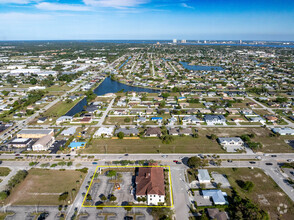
(147, 19)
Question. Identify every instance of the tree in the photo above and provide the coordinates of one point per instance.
(3, 195)
(120, 135)
(103, 198)
(111, 173)
(127, 120)
(63, 196)
(112, 198)
(195, 162)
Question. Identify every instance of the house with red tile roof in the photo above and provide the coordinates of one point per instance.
(150, 185)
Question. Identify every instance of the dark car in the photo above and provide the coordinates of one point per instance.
(252, 162)
(68, 155)
(57, 156)
(230, 161)
(178, 162)
(126, 155)
(273, 155)
(175, 161)
(94, 163)
(17, 154)
(268, 164)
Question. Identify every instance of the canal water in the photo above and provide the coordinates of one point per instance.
(202, 68)
(108, 86)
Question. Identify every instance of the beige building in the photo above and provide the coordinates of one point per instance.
(35, 133)
(43, 143)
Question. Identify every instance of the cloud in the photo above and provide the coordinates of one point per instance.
(23, 2)
(115, 3)
(22, 17)
(186, 6)
(62, 7)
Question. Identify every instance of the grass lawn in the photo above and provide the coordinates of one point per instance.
(119, 121)
(154, 145)
(43, 187)
(262, 135)
(60, 108)
(265, 192)
(3, 215)
(4, 171)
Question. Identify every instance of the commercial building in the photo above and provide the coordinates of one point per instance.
(203, 176)
(35, 133)
(20, 142)
(217, 196)
(44, 143)
(150, 184)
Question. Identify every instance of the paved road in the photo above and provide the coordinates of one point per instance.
(79, 198)
(105, 113)
(180, 193)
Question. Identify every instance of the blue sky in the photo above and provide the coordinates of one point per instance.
(147, 19)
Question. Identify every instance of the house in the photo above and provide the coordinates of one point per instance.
(230, 141)
(64, 119)
(86, 120)
(238, 120)
(185, 131)
(173, 131)
(127, 131)
(247, 112)
(41, 120)
(232, 111)
(103, 131)
(256, 119)
(152, 132)
(77, 145)
(283, 131)
(150, 185)
(191, 119)
(157, 119)
(271, 118)
(141, 120)
(205, 111)
(35, 133)
(44, 143)
(217, 196)
(214, 119)
(214, 213)
(149, 111)
(172, 121)
(120, 112)
(69, 131)
(203, 176)
(231, 144)
(220, 111)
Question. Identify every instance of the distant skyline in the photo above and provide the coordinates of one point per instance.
(147, 20)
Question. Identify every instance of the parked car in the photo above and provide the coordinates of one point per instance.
(178, 162)
(94, 163)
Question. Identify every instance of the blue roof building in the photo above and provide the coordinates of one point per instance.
(218, 197)
(77, 145)
(156, 118)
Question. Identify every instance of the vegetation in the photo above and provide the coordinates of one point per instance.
(196, 162)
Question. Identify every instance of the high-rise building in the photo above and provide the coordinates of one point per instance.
(175, 41)
(240, 41)
(184, 41)
(204, 41)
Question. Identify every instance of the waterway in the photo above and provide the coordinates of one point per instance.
(203, 68)
(124, 62)
(108, 86)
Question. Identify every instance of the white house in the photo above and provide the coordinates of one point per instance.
(203, 176)
(63, 119)
(103, 131)
(284, 131)
(231, 144)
